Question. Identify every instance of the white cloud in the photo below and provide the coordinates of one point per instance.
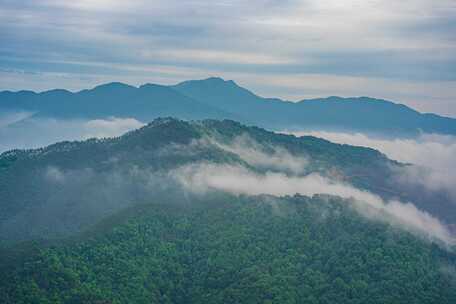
(34, 133)
(93, 5)
(7, 119)
(54, 174)
(100, 128)
(264, 156)
(216, 56)
(204, 177)
(433, 154)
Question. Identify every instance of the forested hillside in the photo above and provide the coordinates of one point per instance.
(64, 188)
(218, 212)
(236, 250)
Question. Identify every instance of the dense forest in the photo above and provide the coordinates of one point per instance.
(235, 250)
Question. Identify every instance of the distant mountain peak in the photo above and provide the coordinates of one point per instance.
(150, 86)
(214, 78)
(218, 81)
(163, 121)
(113, 86)
(56, 91)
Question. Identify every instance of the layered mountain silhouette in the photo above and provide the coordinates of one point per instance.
(217, 98)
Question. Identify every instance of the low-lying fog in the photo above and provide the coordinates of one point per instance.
(282, 172)
(21, 130)
(434, 155)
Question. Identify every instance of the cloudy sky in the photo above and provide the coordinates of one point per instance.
(399, 50)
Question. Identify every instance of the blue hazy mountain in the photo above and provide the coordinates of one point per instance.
(217, 98)
(357, 113)
(113, 99)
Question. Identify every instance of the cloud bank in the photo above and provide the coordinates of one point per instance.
(204, 177)
(433, 155)
(21, 131)
(264, 157)
(281, 173)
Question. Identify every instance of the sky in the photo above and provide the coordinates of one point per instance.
(402, 51)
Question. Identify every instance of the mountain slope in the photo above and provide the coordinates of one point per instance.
(235, 250)
(65, 188)
(171, 213)
(227, 95)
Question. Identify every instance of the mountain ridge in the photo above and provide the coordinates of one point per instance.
(224, 99)
(158, 147)
(221, 80)
(119, 220)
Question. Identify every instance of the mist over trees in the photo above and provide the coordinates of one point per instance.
(69, 186)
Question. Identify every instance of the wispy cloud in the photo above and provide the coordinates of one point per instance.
(205, 177)
(101, 128)
(264, 156)
(432, 155)
(20, 131)
(8, 119)
(260, 168)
